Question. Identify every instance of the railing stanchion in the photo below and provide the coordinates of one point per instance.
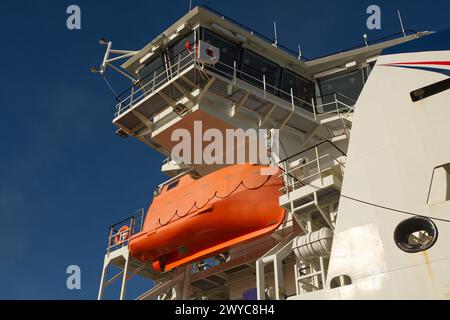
(132, 229)
(234, 72)
(286, 178)
(313, 103)
(131, 97)
(292, 101)
(153, 82)
(119, 108)
(336, 102)
(319, 170)
(264, 85)
(111, 231)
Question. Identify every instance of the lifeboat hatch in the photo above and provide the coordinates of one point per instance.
(197, 219)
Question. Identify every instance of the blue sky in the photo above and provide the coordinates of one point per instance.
(64, 175)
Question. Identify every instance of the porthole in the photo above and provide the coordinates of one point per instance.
(415, 234)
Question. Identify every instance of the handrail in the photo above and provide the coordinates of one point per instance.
(307, 163)
(134, 97)
(292, 182)
(166, 74)
(312, 147)
(121, 222)
(227, 71)
(336, 93)
(163, 64)
(261, 81)
(291, 172)
(135, 225)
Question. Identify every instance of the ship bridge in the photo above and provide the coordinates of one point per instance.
(208, 68)
(253, 83)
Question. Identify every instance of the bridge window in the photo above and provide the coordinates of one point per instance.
(368, 70)
(349, 85)
(256, 67)
(178, 51)
(229, 52)
(152, 72)
(302, 88)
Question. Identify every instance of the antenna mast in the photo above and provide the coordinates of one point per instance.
(401, 22)
(275, 31)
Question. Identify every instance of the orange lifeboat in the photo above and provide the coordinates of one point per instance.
(191, 219)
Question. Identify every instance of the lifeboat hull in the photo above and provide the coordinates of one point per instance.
(200, 218)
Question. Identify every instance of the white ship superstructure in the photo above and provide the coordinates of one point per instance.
(364, 159)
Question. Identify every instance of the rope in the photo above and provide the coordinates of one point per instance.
(110, 87)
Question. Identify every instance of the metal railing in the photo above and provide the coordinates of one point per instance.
(235, 73)
(340, 103)
(121, 232)
(296, 176)
(337, 103)
(151, 83)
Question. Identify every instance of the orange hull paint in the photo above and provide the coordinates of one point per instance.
(200, 218)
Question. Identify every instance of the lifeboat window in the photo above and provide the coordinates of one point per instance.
(415, 234)
(173, 185)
